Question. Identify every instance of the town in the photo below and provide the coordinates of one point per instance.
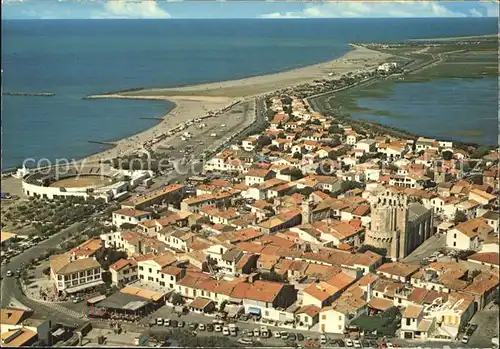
(313, 233)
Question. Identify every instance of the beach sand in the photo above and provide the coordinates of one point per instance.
(196, 100)
(359, 58)
(186, 108)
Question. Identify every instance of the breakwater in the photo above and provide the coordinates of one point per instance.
(30, 94)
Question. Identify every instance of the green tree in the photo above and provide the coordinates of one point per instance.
(377, 250)
(263, 140)
(447, 155)
(177, 299)
(460, 217)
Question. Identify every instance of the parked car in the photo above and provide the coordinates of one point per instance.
(193, 326)
(348, 342)
(245, 341)
(323, 339)
(292, 337)
(9, 273)
(284, 335)
(365, 343)
(218, 328)
(389, 345)
(159, 321)
(465, 339)
(357, 343)
(174, 323)
(256, 332)
(225, 331)
(210, 328)
(300, 337)
(264, 332)
(244, 317)
(277, 334)
(180, 324)
(340, 343)
(373, 343)
(202, 327)
(167, 323)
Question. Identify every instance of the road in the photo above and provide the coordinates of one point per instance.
(11, 289)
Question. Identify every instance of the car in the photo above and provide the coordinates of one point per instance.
(264, 332)
(244, 317)
(323, 339)
(250, 334)
(245, 341)
(202, 327)
(225, 331)
(357, 343)
(300, 337)
(193, 326)
(373, 343)
(292, 337)
(365, 343)
(389, 345)
(340, 343)
(77, 300)
(159, 321)
(473, 327)
(8, 274)
(348, 342)
(256, 332)
(167, 323)
(283, 335)
(218, 328)
(277, 334)
(180, 324)
(174, 323)
(465, 339)
(210, 328)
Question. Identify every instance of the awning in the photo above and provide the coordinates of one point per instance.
(254, 311)
(97, 299)
(59, 332)
(84, 286)
(91, 311)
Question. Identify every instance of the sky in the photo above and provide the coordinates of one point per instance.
(136, 9)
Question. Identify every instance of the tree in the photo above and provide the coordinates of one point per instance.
(128, 226)
(306, 191)
(460, 217)
(297, 155)
(447, 155)
(349, 185)
(272, 276)
(196, 228)
(294, 172)
(273, 147)
(480, 152)
(262, 141)
(177, 299)
(334, 130)
(377, 250)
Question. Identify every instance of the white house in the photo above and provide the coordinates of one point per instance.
(468, 235)
(130, 216)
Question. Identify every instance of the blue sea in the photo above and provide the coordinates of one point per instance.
(75, 58)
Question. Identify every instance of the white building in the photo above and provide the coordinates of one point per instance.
(130, 216)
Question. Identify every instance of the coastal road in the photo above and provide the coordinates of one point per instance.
(10, 287)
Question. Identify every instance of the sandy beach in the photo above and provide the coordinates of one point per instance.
(196, 100)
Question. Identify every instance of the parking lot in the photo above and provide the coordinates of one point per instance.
(279, 336)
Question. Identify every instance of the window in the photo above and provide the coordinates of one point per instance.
(454, 243)
(306, 319)
(163, 276)
(59, 277)
(323, 317)
(171, 277)
(96, 271)
(141, 268)
(150, 278)
(266, 313)
(340, 327)
(408, 321)
(340, 317)
(150, 270)
(455, 235)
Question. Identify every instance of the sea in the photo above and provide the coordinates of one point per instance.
(75, 58)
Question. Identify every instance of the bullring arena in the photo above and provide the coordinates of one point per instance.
(97, 181)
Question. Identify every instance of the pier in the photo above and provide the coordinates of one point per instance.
(111, 144)
(30, 94)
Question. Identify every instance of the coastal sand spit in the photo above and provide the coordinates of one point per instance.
(359, 58)
(196, 100)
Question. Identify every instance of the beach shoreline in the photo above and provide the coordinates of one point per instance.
(195, 101)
